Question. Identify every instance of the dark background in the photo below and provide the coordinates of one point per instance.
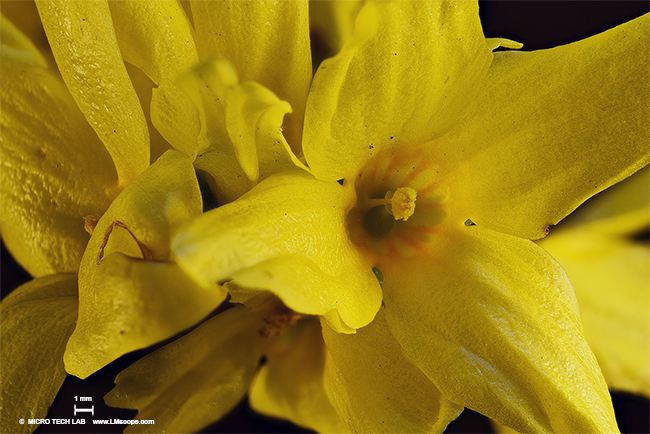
(538, 25)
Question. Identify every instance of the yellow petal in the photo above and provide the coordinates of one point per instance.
(134, 304)
(267, 41)
(253, 122)
(611, 278)
(193, 381)
(403, 79)
(611, 275)
(254, 115)
(377, 388)
(290, 384)
(552, 128)
(177, 121)
(241, 139)
(287, 235)
(24, 15)
(620, 211)
(493, 321)
(164, 198)
(216, 156)
(37, 319)
(145, 88)
(18, 47)
(127, 303)
(55, 171)
(83, 42)
(157, 37)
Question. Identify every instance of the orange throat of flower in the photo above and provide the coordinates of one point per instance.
(399, 205)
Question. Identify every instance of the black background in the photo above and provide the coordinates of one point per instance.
(538, 25)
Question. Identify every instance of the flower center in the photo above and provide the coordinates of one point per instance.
(396, 205)
(385, 219)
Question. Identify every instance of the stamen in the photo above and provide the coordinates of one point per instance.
(399, 203)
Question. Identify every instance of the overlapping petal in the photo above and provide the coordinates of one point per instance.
(621, 211)
(37, 319)
(376, 388)
(552, 128)
(610, 273)
(267, 41)
(241, 137)
(157, 37)
(196, 379)
(611, 281)
(17, 47)
(55, 170)
(24, 16)
(254, 115)
(403, 79)
(130, 295)
(290, 384)
(83, 41)
(484, 319)
(495, 325)
(145, 88)
(287, 235)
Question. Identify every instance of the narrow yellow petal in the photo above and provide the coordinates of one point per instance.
(241, 136)
(377, 388)
(157, 37)
(611, 278)
(126, 265)
(611, 275)
(145, 89)
(55, 171)
(176, 120)
(17, 47)
(24, 15)
(403, 79)
(493, 321)
(254, 115)
(84, 45)
(551, 128)
(37, 319)
(290, 384)
(230, 171)
(193, 381)
(267, 41)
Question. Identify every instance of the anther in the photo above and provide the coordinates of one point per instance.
(402, 203)
(399, 203)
